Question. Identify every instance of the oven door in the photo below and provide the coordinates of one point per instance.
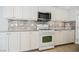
(46, 38)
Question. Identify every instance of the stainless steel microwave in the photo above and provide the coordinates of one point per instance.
(42, 16)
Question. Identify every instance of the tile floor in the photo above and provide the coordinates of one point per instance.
(63, 48)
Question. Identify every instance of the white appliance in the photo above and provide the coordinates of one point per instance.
(46, 39)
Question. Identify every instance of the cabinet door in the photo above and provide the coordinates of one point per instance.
(68, 36)
(13, 12)
(72, 15)
(3, 41)
(30, 12)
(14, 41)
(8, 12)
(44, 9)
(61, 14)
(25, 41)
(18, 12)
(34, 39)
(58, 36)
(65, 37)
(52, 13)
(3, 21)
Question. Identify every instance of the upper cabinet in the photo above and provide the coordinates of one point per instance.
(44, 9)
(8, 12)
(3, 21)
(30, 12)
(20, 12)
(72, 15)
(61, 14)
(25, 12)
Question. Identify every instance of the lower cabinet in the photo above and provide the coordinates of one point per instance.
(64, 37)
(69, 36)
(19, 41)
(3, 41)
(34, 43)
(14, 41)
(29, 40)
(58, 37)
(25, 41)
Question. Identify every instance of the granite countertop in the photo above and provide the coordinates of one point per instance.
(39, 30)
(22, 31)
(63, 29)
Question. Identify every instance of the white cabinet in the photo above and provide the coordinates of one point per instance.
(72, 15)
(3, 41)
(61, 14)
(14, 41)
(12, 12)
(69, 36)
(8, 12)
(3, 21)
(44, 9)
(34, 39)
(29, 40)
(18, 12)
(52, 13)
(25, 41)
(58, 37)
(19, 41)
(30, 12)
(64, 37)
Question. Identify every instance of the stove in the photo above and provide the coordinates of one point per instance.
(46, 39)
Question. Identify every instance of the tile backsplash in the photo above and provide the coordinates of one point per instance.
(24, 25)
(21, 25)
(65, 25)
